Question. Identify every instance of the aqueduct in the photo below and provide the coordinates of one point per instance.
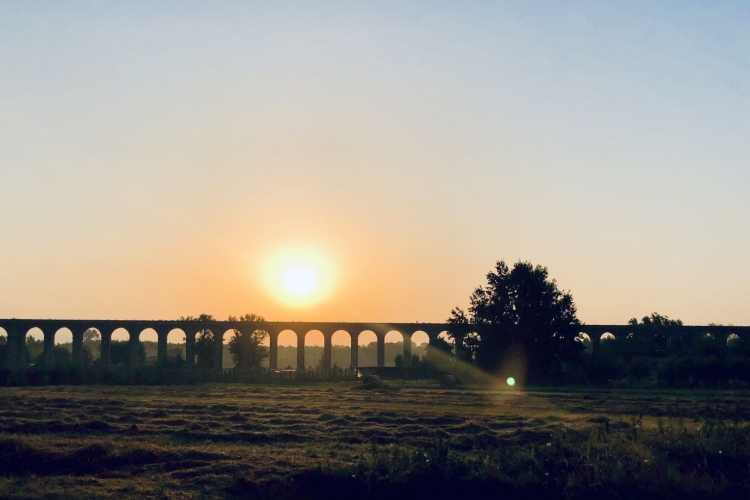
(17, 330)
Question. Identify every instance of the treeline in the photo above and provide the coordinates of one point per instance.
(706, 362)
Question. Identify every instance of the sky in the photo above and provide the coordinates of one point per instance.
(156, 158)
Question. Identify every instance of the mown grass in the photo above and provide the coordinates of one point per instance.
(342, 442)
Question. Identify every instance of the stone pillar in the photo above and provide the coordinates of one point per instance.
(190, 349)
(104, 349)
(133, 342)
(273, 351)
(327, 348)
(161, 347)
(301, 351)
(218, 348)
(381, 349)
(595, 336)
(49, 346)
(77, 346)
(355, 350)
(407, 349)
(16, 341)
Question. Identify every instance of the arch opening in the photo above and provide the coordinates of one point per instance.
(367, 348)
(419, 342)
(34, 349)
(584, 339)
(225, 337)
(120, 335)
(149, 339)
(606, 336)
(176, 348)
(63, 336)
(3, 348)
(35, 333)
(287, 350)
(341, 349)
(733, 339)
(314, 343)
(92, 344)
(119, 347)
(394, 348)
(444, 341)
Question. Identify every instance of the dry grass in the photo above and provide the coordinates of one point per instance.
(276, 441)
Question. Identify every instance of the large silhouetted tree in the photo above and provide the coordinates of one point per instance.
(245, 346)
(522, 314)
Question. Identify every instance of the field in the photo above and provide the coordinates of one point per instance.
(342, 441)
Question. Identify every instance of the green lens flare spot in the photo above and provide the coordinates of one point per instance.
(511, 381)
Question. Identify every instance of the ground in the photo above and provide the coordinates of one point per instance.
(343, 441)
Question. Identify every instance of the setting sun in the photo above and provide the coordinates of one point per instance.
(299, 277)
(299, 280)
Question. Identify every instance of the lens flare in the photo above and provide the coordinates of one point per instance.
(511, 381)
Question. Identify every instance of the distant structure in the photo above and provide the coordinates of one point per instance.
(17, 330)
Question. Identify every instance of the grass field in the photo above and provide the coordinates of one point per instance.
(345, 442)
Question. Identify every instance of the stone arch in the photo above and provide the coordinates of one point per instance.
(34, 346)
(61, 336)
(584, 339)
(148, 335)
(149, 338)
(443, 335)
(419, 338)
(119, 352)
(35, 333)
(392, 351)
(314, 341)
(287, 350)
(341, 345)
(120, 335)
(92, 343)
(222, 356)
(419, 342)
(367, 347)
(176, 345)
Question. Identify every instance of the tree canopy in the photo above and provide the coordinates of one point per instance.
(245, 346)
(520, 314)
(204, 342)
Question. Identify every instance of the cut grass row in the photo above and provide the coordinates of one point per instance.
(320, 442)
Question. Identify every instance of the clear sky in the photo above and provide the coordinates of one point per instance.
(156, 156)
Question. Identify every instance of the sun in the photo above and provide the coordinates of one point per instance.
(299, 277)
(300, 280)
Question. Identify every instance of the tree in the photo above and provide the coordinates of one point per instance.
(660, 332)
(91, 335)
(245, 346)
(204, 342)
(522, 315)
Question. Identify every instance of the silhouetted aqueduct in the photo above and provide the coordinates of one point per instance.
(17, 330)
